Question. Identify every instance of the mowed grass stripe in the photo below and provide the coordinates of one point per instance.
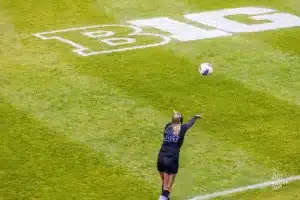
(38, 163)
(51, 15)
(87, 110)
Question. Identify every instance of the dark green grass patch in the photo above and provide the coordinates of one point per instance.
(37, 163)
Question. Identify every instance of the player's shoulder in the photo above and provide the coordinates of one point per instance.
(168, 124)
(184, 127)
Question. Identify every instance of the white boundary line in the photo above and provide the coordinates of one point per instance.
(249, 187)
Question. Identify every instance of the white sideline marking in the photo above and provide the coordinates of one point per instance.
(249, 187)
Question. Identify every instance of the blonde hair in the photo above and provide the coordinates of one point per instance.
(176, 123)
(176, 128)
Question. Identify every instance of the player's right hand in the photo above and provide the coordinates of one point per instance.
(198, 116)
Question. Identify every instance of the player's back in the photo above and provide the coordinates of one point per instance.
(172, 142)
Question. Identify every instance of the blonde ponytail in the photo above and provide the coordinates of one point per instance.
(176, 128)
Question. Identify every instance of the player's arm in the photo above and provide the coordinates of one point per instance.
(192, 121)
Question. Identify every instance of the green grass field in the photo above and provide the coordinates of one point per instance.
(85, 128)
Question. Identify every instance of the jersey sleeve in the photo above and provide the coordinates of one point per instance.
(188, 125)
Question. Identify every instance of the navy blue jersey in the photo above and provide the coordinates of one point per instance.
(173, 142)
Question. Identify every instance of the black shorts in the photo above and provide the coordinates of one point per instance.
(167, 164)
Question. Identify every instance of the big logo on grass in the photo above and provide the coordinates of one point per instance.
(103, 39)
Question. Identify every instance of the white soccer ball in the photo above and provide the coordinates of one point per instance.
(205, 69)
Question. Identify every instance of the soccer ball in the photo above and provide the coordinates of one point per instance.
(205, 69)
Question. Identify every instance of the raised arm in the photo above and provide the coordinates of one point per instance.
(191, 122)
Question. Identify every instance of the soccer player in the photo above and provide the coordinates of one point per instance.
(168, 157)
